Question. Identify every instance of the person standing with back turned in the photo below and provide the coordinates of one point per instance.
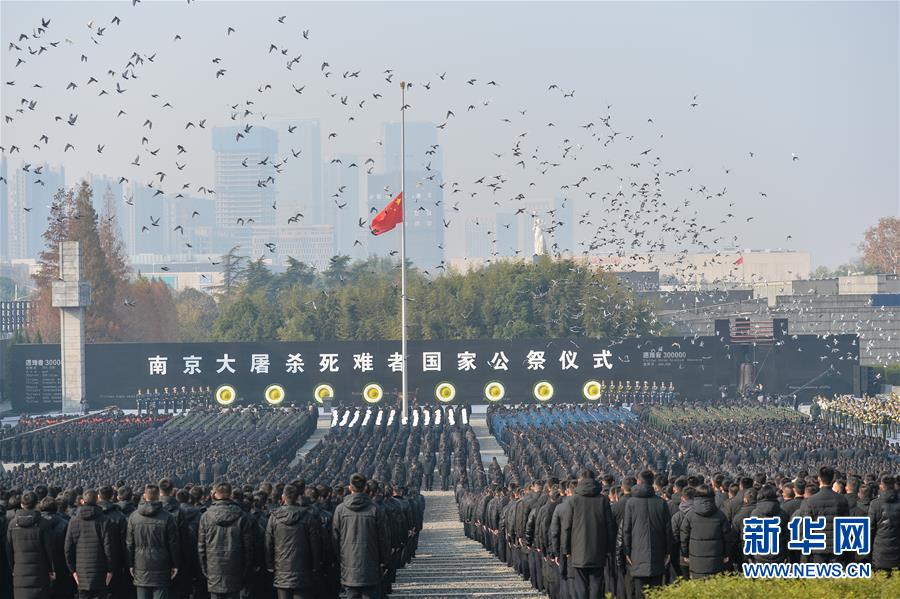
(363, 542)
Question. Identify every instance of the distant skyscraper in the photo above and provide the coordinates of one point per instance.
(34, 193)
(4, 211)
(300, 182)
(146, 223)
(196, 217)
(107, 195)
(421, 155)
(424, 217)
(310, 244)
(491, 235)
(343, 204)
(244, 194)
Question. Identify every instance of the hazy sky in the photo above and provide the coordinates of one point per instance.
(816, 79)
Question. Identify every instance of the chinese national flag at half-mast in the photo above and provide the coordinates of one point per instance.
(389, 217)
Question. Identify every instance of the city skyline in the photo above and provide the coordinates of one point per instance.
(537, 122)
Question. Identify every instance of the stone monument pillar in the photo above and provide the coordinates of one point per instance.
(71, 295)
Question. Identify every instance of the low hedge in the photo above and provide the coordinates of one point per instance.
(738, 587)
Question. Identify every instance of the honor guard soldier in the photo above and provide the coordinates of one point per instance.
(620, 393)
(184, 399)
(154, 402)
(645, 393)
(629, 395)
(139, 399)
(654, 393)
(604, 398)
(673, 396)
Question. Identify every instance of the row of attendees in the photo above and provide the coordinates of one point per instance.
(583, 537)
(436, 441)
(247, 444)
(289, 540)
(69, 439)
(730, 440)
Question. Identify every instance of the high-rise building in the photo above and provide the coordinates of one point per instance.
(107, 195)
(300, 180)
(145, 222)
(343, 204)
(424, 217)
(310, 244)
(30, 208)
(490, 235)
(423, 153)
(4, 210)
(194, 218)
(244, 182)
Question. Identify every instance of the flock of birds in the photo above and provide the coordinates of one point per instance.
(628, 185)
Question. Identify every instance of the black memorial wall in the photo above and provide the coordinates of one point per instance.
(697, 366)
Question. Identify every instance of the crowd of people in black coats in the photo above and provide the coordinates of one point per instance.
(70, 438)
(579, 510)
(99, 529)
(290, 541)
(249, 444)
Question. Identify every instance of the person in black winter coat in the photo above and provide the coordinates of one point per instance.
(294, 546)
(705, 534)
(181, 585)
(116, 522)
(89, 549)
(29, 551)
(828, 504)
(646, 535)
(767, 506)
(63, 587)
(884, 513)
(152, 547)
(591, 536)
(362, 540)
(225, 545)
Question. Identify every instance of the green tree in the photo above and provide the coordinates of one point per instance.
(7, 289)
(250, 317)
(197, 312)
(232, 269)
(336, 273)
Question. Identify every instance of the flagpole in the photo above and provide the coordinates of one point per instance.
(405, 406)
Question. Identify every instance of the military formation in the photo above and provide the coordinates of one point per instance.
(70, 439)
(876, 415)
(582, 509)
(171, 399)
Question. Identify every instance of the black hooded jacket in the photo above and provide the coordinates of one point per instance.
(646, 532)
(89, 548)
(225, 546)
(704, 537)
(116, 523)
(592, 533)
(769, 508)
(152, 543)
(294, 549)
(362, 539)
(884, 512)
(29, 550)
